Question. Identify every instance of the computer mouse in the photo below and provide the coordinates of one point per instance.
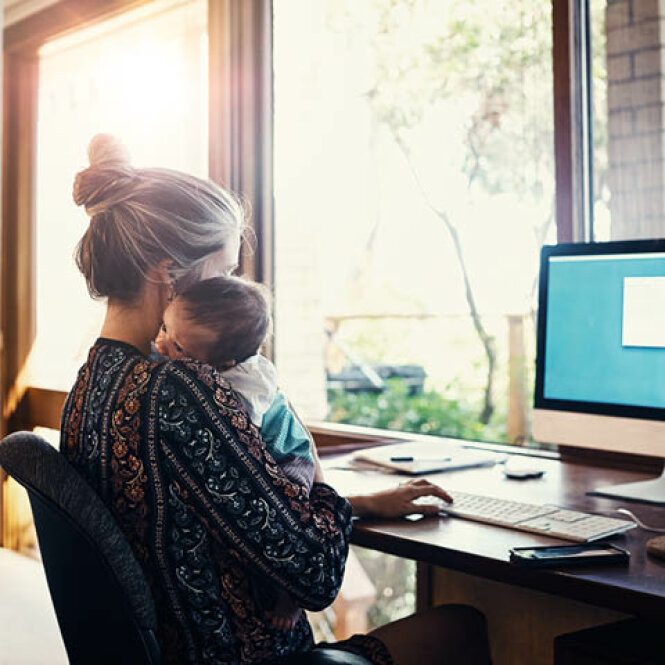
(520, 467)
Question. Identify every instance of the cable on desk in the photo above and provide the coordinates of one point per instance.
(637, 520)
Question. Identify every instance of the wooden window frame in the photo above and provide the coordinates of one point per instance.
(571, 149)
(240, 157)
(564, 147)
(241, 151)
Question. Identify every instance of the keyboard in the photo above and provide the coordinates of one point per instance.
(545, 519)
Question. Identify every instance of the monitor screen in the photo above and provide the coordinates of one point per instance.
(600, 363)
(601, 329)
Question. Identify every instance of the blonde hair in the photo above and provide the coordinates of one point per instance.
(140, 217)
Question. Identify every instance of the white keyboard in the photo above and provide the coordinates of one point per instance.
(548, 520)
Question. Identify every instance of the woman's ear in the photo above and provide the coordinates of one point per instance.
(165, 276)
(165, 271)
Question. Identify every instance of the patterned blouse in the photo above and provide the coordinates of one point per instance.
(209, 514)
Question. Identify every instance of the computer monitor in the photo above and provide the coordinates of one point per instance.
(600, 361)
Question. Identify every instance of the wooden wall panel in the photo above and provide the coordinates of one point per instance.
(18, 297)
(522, 623)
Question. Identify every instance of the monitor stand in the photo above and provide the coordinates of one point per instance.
(644, 491)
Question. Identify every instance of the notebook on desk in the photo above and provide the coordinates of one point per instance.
(417, 457)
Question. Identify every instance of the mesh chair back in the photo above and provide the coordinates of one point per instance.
(101, 598)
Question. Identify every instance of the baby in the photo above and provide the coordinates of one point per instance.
(224, 321)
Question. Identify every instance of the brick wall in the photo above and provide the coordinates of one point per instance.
(635, 98)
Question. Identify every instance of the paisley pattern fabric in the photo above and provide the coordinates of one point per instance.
(210, 515)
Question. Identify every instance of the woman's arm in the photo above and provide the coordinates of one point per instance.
(399, 501)
(395, 502)
(223, 471)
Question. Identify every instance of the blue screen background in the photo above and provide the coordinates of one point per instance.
(584, 358)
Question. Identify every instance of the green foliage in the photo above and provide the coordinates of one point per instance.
(464, 86)
(427, 413)
(494, 58)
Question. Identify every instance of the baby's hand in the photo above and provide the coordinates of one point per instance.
(286, 613)
(286, 623)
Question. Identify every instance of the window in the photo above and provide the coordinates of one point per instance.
(143, 77)
(151, 75)
(414, 186)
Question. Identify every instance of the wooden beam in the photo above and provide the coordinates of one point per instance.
(331, 441)
(563, 120)
(30, 33)
(38, 407)
(517, 381)
(240, 116)
(18, 269)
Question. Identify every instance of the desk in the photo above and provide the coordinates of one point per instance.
(471, 560)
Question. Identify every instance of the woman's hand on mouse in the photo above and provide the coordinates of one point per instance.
(401, 500)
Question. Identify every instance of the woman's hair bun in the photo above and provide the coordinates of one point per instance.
(107, 149)
(105, 182)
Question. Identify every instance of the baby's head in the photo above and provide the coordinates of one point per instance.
(221, 321)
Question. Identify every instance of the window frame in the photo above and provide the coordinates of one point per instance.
(239, 41)
(240, 156)
(572, 181)
(572, 119)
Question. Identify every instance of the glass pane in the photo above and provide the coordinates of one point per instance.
(378, 589)
(629, 93)
(414, 186)
(143, 77)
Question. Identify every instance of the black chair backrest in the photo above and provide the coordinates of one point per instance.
(102, 600)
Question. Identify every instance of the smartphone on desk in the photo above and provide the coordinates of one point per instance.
(556, 556)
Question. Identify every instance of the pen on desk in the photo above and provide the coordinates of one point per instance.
(420, 459)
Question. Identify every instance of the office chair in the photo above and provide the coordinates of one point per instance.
(102, 600)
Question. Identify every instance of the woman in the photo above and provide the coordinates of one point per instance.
(169, 448)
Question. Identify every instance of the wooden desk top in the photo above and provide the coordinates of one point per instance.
(483, 550)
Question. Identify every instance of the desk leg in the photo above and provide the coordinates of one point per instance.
(424, 586)
(522, 623)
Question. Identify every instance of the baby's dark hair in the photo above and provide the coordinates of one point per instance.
(236, 310)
